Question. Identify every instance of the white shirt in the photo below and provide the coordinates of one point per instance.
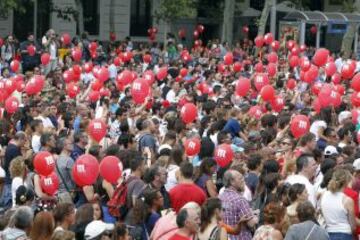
(339, 63)
(35, 143)
(315, 126)
(171, 96)
(171, 179)
(46, 122)
(112, 71)
(292, 179)
(15, 184)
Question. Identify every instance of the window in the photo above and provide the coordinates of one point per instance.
(257, 4)
(140, 20)
(91, 16)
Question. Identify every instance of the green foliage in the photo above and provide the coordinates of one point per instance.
(8, 5)
(170, 10)
(349, 6)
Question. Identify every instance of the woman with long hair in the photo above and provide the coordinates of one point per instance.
(204, 179)
(297, 194)
(337, 208)
(211, 215)
(43, 226)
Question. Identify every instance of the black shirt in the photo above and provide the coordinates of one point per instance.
(12, 151)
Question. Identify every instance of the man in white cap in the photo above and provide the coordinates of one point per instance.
(98, 230)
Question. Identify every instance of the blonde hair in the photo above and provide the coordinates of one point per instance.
(17, 167)
(339, 179)
(63, 235)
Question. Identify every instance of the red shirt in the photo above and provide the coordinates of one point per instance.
(184, 193)
(179, 237)
(355, 197)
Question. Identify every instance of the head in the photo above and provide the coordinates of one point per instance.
(24, 196)
(274, 213)
(98, 213)
(306, 165)
(210, 209)
(186, 170)
(37, 126)
(65, 144)
(84, 214)
(120, 232)
(20, 139)
(156, 175)
(207, 166)
(189, 220)
(137, 164)
(81, 139)
(298, 192)
(23, 218)
(340, 179)
(254, 163)
(17, 167)
(234, 179)
(170, 138)
(43, 227)
(153, 198)
(63, 235)
(148, 125)
(305, 211)
(64, 213)
(308, 141)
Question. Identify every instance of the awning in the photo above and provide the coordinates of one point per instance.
(323, 17)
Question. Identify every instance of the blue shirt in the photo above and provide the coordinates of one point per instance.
(76, 124)
(233, 127)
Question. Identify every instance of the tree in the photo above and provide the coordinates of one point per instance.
(171, 10)
(8, 5)
(349, 36)
(228, 21)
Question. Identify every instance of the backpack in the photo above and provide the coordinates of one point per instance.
(117, 203)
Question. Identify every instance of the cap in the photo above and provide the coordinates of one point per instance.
(356, 164)
(330, 150)
(344, 115)
(96, 228)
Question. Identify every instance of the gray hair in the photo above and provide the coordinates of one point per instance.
(20, 136)
(228, 176)
(22, 218)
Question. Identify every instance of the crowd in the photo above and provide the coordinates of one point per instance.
(189, 143)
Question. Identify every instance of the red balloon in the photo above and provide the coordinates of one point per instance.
(305, 63)
(245, 29)
(44, 163)
(68, 76)
(259, 41)
(110, 169)
(313, 29)
(72, 90)
(299, 125)
(104, 92)
(196, 34)
(125, 77)
(97, 129)
(316, 105)
(354, 116)
(183, 72)
(31, 50)
(316, 87)
(271, 69)
(347, 71)
(66, 39)
(242, 86)
(127, 56)
(294, 61)
(330, 68)
(11, 104)
(94, 96)
(228, 58)
(117, 61)
(88, 67)
(182, 33)
(336, 78)
(295, 50)
(76, 54)
(162, 73)
(277, 104)
(260, 80)
(147, 58)
(96, 85)
(93, 46)
(200, 28)
(355, 99)
(340, 89)
(49, 184)
(267, 93)
(10, 86)
(221, 68)
(150, 77)
(311, 74)
(291, 84)
(188, 113)
(14, 65)
(1, 42)
(86, 169)
(45, 59)
(192, 146)
(259, 67)
(268, 38)
(275, 45)
(355, 83)
(321, 56)
(237, 67)
(140, 89)
(255, 112)
(272, 57)
(223, 155)
(303, 48)
(103, 74)
(358, 136)
(290, 44)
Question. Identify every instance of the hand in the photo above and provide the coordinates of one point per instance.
(245, 219)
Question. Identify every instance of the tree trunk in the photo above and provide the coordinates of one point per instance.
(349, 36)
(263, 19)
(80, 18)
(228, 21)
(112, 16)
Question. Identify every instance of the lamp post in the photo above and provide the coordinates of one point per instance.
(273, 18)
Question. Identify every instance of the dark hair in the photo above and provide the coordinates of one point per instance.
(34, 123)
(327, 164)
(120, 230)
(176, 155)
(254, 161)
(23, 194)
(295, 190)
(84, 214)
(306, 138)
(181, 218)
(136, 162)
(306, 211)
(268, 120)
(207, 148)
(78, 136)
(45, 138)
(302, 161)
(151, 172)
(208, 210)
(271, 166)
(186, 170)
(206, 165)
(62, 210)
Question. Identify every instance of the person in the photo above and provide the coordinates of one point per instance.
(51, 45)
(29, 62)
(188, 221)
(337, 208)
(80, 143)
(305, 168)
(235, 206)
(147, 140)
(43, 227)
(98, 212)
(120, 232)
(37, 128)
(211, 216)
(307, 143)
(98, 230)
(308, 227)
(64, 216)
(63, 167)
(84, 215)
(135, 184)
(274, 215)
(297, 194)
(63, 235)
(17, 172)
(252, 178)
(204, 181)
(8, 49)
(20, 224)
(194, 193)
